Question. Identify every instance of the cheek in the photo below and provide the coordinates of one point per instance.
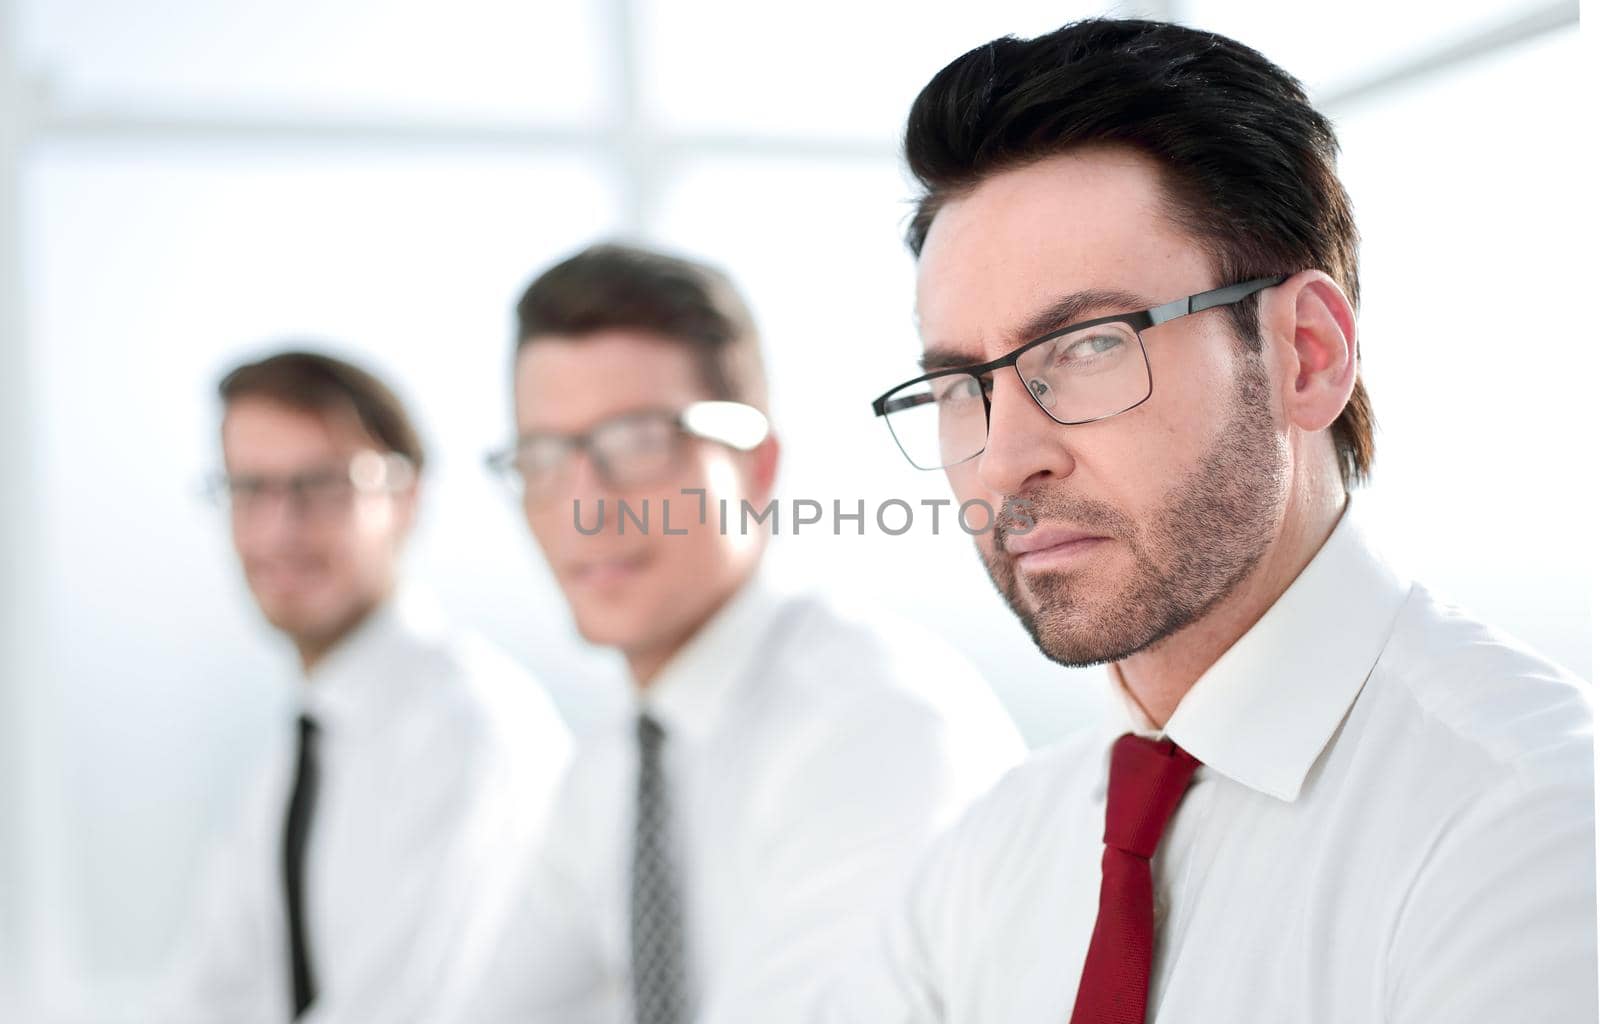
(1193, 381)
(374, 520)
(710, 470)
(698, 554)
(966, 483)
(1139, 456)
(270, 537)
(366, 540)
(720, 476)
(245, 540)
(554, 524)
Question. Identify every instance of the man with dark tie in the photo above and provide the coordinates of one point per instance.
(1326, 796)
(369, 863)
(725, 842)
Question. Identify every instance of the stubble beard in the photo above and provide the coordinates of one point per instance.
(1206, 536)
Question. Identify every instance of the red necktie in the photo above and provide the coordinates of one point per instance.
(1148, 778)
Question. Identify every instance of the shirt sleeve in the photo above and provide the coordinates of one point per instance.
(859, 811)
(466, 837)
(543, 962)
(215, 970)
(896, 979)
(1500, 922)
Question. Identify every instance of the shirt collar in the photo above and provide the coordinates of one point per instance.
(353, 675)
(1265, 711)
(695, 687)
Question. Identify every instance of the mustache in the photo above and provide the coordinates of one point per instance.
(1041, 509)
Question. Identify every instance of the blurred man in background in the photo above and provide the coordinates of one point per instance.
(720, 848)
(1331, 798)
(370, 861)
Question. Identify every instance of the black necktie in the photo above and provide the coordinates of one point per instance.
(298, 826)
(659, 984)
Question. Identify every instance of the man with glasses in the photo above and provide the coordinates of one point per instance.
(1325, 795)
(372, 859)
(721, 846)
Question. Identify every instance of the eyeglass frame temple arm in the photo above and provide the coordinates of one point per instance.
(1209, 300)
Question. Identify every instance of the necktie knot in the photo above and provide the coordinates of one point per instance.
(651, 735)
(1148, 778)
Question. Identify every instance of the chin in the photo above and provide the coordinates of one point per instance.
(1071, 648)
(288, 616)
(608, 628)
(308, 616)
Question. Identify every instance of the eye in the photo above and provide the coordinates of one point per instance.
(653, 434)
(634, 435)
(1086, 348)
(956, 390)
(539, 455)
(246, 488)
(322, 487)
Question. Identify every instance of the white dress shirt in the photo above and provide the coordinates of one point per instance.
(811, 754)
(438, 756)
(1394, 821)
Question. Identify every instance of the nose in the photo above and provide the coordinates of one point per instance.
(1026, 448)
(579, 487)
(583, 476)
(273, 523)
(278, 510)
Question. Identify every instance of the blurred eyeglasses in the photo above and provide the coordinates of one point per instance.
(1083, 373)
(631, 450)
(318, 492)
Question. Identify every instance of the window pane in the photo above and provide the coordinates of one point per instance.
(1480, 372)
(830, 68)
(1367, 37)
(319, 58)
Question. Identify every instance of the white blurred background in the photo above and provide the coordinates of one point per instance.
(187, 184)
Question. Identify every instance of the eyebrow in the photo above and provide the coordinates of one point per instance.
(1064, 312)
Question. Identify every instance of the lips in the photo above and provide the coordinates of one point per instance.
(1052, 547)
(606, 571)
(1041, 538)
(286, 574)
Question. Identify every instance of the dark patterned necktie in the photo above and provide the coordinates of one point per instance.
(297, 828)
(1148, 778)
(656, 918)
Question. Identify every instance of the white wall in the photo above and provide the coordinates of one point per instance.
(180, 214)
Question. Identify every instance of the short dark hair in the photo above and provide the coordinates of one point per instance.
(1247, 163)
(320, 384)
(611, 286)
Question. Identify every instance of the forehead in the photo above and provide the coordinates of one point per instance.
(263, 435)
(567, 384)
(1093, 219)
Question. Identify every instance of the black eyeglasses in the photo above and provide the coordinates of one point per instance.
(630, 450)
(1082, 373)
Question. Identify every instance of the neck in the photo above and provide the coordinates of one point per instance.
(646, 661)
(315, 648)
(646, 665)
(312, 652)
(1158, 677)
